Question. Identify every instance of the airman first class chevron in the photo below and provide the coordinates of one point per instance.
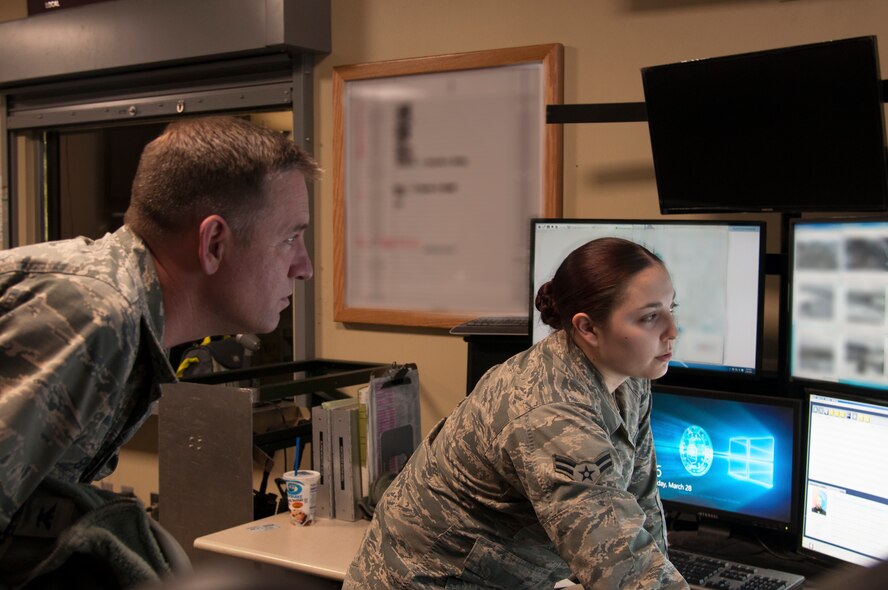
(589, 471)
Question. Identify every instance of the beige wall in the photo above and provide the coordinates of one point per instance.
(13, 9)
(608, 171)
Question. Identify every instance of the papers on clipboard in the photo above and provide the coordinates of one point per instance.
(393, 420)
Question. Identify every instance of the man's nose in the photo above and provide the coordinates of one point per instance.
(302, 268)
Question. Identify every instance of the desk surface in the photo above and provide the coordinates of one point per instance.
(325, 548)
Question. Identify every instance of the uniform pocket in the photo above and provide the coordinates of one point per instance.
(489, 565)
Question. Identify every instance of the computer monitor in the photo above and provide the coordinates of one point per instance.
(717, 270)
(838, 318)
(791, 129)
(845, 512)
(728, 458)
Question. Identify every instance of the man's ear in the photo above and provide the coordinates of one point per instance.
(584, 328)
(214, 238)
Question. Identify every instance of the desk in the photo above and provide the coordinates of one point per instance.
(324, 549)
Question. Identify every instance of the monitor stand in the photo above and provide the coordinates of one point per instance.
(486, 351)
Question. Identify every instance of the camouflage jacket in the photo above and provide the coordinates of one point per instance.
(81, 359)
(540, 473)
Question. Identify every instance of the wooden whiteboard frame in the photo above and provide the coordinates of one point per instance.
(549, 56)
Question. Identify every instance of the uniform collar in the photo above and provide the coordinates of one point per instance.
(617, 409)
(141, 261)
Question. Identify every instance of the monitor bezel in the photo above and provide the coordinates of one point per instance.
(727, 517)
(803, 463)
(692, 372)
(799, 381)
(875, 203)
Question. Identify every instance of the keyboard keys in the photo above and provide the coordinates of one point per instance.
(493, 325)
(707, 572)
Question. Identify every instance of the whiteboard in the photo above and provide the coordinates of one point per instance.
(438, 174)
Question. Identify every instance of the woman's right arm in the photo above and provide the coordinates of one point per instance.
(577, 481)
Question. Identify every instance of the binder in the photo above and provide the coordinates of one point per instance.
(322, 460)
(363, 395)
(346, 464)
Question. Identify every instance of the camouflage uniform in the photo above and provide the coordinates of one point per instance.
(81, 326)
(538, 474)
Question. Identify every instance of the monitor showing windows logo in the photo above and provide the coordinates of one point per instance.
(752, 459)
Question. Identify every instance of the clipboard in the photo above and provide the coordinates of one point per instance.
(393, 419)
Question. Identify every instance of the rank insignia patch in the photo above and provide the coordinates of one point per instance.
(589, 471)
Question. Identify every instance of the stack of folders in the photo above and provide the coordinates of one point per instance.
(356, 440)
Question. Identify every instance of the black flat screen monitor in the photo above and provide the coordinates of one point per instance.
(792, 129)
(727, 457)
(838, 316)
(716, 268)
(845, 513)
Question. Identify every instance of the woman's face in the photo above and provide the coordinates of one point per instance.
(638, 337)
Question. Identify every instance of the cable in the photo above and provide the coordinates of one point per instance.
(786, 557)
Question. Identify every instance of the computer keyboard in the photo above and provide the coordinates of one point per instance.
(701, 572)
(493, 326)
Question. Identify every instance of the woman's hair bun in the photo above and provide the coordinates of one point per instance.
(545, 303)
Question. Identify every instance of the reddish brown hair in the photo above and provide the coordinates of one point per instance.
(590, 280)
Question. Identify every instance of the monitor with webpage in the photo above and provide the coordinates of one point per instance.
(838, 319)
(717, 268)
(845, 510)
(727, 458)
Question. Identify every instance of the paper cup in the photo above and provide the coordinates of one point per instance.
(302, 491)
